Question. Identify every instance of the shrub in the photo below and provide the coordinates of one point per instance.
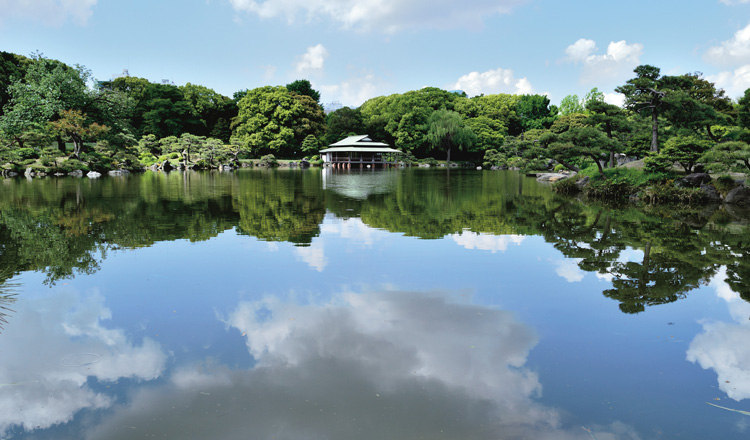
(147, 159)
(201, 164)
(26, 154)
(566, 186)
(559, 167)
(429, 161)
(269, 160)
(658, 163)
(668, 193)
(724, 184)
(69, 165)
(609, 191)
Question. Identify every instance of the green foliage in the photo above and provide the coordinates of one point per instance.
(685, 150)
(310, 144)
(669, 193)
(494, 158)
(69, 165)
(428, 161)
(726, 156)
(303, 87)
(534, 112)
(26, 153)
(658, 163)
(269, 160)
(447, 130)
(147, 159)
(724, 184)
(402, 120)
(272, 119)
(570, 105)
(342, 123)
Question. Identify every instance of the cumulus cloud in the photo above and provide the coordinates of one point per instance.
(569, 270)
(313, 255)
(312, 60)
(51, 359)
(385, 364)
(49, 12)
(353, 229)
(493, 82)
(487, 242)
(381, 15)
(734, 51)
(735, 82)
(722, 346)
(619, 61)
(353, 91)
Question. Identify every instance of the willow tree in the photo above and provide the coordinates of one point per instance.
(447, 130)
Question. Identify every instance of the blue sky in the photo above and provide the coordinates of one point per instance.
(353, 50)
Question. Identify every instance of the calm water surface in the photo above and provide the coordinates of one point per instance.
(397, 304)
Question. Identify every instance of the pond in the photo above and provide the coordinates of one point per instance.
(335, 304)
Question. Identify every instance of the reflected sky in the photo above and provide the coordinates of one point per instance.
(461, 323)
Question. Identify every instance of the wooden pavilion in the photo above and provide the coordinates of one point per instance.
(359, 150)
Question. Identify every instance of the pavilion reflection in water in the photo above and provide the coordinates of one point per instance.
(358, 184)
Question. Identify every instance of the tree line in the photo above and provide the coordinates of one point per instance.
(53, 115)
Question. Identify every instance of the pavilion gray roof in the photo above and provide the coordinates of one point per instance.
(361, 143)
(361, 140)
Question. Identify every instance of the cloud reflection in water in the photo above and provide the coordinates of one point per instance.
(377, 365)
(48, 360)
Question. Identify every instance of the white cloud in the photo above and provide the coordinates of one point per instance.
(569, 270)
(487, 242)
(382, 15)
(617, 99)
(369, 366)
(353, 229)
(62, 346)
(49, 12)
(734, 2)
(313, 60)
(733, 51)
(735, 82)
(580, 50)
(619, 61)
(353, 91)
(313, 255)
(722, 346)
(493, 82)
(395, 336)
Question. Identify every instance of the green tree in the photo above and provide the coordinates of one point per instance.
(447, 130)
(743, 110)
(571, 104)
(729, 154)
(342, 123)
(213, 110)
(685, 150)
(303, 87)
(12, 68)
(612, 120)
(75, 124)
(644, 95)
(311, 145)
(274, 120)
(581, 141)
(534, 112)
(189, 143)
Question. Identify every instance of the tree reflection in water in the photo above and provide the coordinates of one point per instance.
(67, 226)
